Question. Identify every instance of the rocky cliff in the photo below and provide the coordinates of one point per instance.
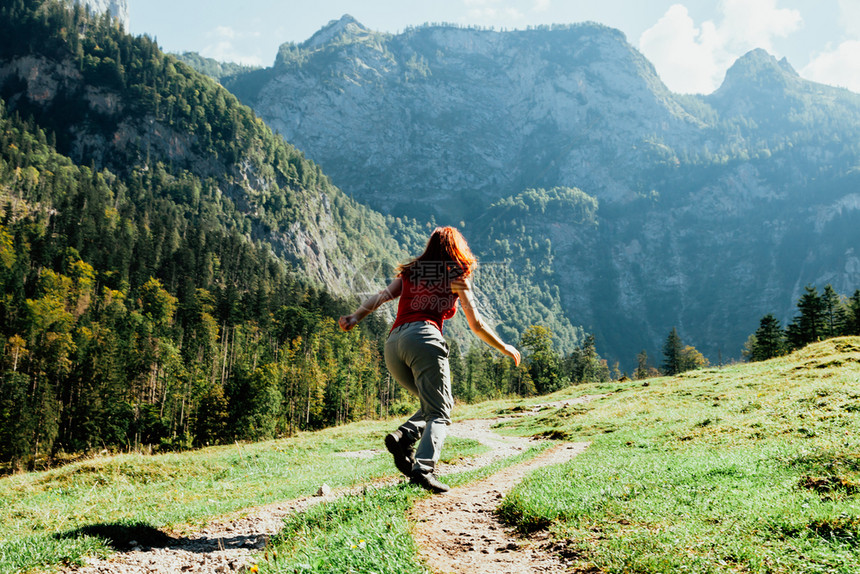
(487, 113)
(117, 8)
(114, 102)
(712, 210)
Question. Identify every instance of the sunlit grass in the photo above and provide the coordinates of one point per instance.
(44, 516)
(751, 468)
(368, 532)
(362, 533)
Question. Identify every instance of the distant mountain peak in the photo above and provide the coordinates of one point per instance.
(758, 68)
(335, 29)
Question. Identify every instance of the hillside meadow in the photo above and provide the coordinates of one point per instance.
(749, 468)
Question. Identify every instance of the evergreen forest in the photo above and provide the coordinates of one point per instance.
(172, 270)
(141, 303)
(148, 299)
(820, 316)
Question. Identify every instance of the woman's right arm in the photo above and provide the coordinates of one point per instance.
(464, 291)
(372, 303)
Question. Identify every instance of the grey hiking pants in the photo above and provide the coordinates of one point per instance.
(417, 357)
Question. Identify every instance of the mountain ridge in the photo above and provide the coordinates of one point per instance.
(109, 108)
(344, 28)
(447, 121)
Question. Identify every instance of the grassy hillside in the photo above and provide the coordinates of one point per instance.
(90, 507)
(751, 468)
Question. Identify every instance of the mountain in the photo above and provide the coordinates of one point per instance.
(118, 9)
(711, 210)
(117, 103)
(108, 108)
(211, 67)
(483, 110)
(170, 269)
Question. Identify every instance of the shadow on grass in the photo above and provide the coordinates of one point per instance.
(139, 536)
(122, 537)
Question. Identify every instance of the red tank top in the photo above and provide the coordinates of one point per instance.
(433, 302)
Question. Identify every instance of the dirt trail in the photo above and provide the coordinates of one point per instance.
(459, 531)
(465, 534)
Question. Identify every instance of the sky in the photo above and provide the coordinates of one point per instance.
(690, 42)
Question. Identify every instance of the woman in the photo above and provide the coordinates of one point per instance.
(429, 288)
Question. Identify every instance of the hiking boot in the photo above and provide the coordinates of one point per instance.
(428, 481)
(401, 450)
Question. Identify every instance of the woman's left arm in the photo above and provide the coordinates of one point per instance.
(371, 304)
(464, 291)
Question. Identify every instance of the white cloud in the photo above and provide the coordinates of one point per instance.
(685, 55)
(513, 14)
(227, 52)
(694, 59)
(223, 32)
(541, 5)
(837, 67)
(850, 16)
(225, 44)
(481, 9)
(749, 24)
(482, 13)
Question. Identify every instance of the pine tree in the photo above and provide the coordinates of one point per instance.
(672, 351)
(542, 359)
(835, 315)
(641, 366)
(810, 325)
(769, 339)
(590, 361)
(852, 325)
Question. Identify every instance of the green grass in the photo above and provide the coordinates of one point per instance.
(58, 516)
(366, 533)
(752, 468)
(361, 533)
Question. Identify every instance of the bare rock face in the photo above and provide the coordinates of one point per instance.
(713, 210)
(117, 8)
(440, 112)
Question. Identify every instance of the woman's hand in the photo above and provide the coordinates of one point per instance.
(513, 353)
(347, 322)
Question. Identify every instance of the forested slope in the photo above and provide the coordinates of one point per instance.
(171, 269)
(163, 254)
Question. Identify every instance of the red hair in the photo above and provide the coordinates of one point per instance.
(447, 249)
